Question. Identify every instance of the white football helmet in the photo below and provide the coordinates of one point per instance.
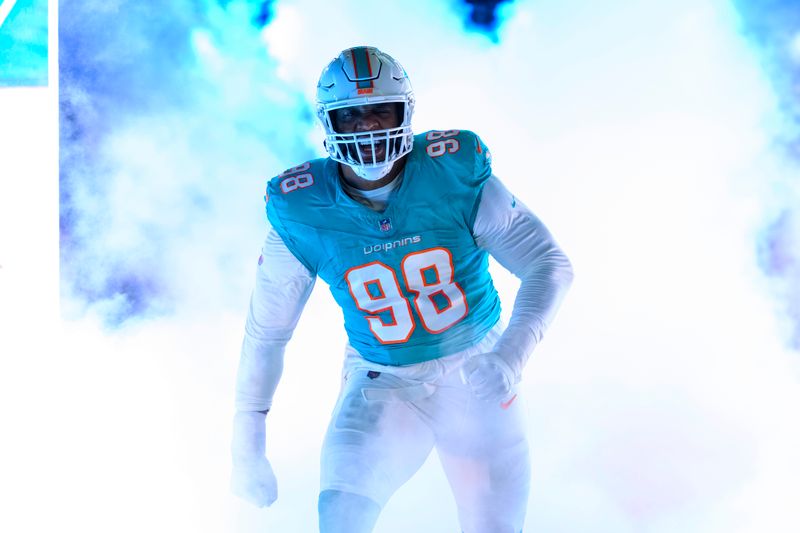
(364, 75)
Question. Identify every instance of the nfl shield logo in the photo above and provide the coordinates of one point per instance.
(385, 224)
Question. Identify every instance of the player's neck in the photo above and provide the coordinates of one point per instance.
(357, 182)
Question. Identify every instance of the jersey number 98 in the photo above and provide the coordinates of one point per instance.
(439, 301)
(444, 143)
(290, 183)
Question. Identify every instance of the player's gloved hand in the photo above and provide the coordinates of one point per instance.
(252, 478)
(489, 377)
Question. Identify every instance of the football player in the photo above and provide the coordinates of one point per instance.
(400, 226)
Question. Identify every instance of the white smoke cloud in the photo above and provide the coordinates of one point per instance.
(640, 132)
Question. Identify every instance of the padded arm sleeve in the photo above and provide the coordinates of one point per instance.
(283, 286)
(519, 241)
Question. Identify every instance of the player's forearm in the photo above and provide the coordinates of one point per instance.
(283, 286)
(260, 369)
(541, 291)
(261, 360)
(521, 243)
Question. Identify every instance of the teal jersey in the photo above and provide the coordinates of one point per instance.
(411, 282)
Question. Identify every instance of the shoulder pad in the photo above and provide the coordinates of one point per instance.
(297, 178)
(457, 149)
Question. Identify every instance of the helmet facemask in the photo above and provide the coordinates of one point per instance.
(383, 147)
(365, 76)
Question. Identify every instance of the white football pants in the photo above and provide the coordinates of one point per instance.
(388, 419)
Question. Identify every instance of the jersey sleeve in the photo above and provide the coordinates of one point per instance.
(275, 204)
(521, 243)
(283, 285)
(482, 171)
(483, 160)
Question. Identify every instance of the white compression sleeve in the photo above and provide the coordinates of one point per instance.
(519, 241)
(283, 285)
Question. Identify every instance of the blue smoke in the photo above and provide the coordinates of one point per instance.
(774, 29)
(158, 107)
(482, 16)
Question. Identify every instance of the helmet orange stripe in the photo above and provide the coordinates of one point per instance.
(361, 63)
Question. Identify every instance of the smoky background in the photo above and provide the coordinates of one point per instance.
(654, 139)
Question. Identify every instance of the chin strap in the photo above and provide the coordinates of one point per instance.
(372, 173)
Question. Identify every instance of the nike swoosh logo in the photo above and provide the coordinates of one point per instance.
(506, 405)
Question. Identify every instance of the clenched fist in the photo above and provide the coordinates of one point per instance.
(252, 478)
(489, 377)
